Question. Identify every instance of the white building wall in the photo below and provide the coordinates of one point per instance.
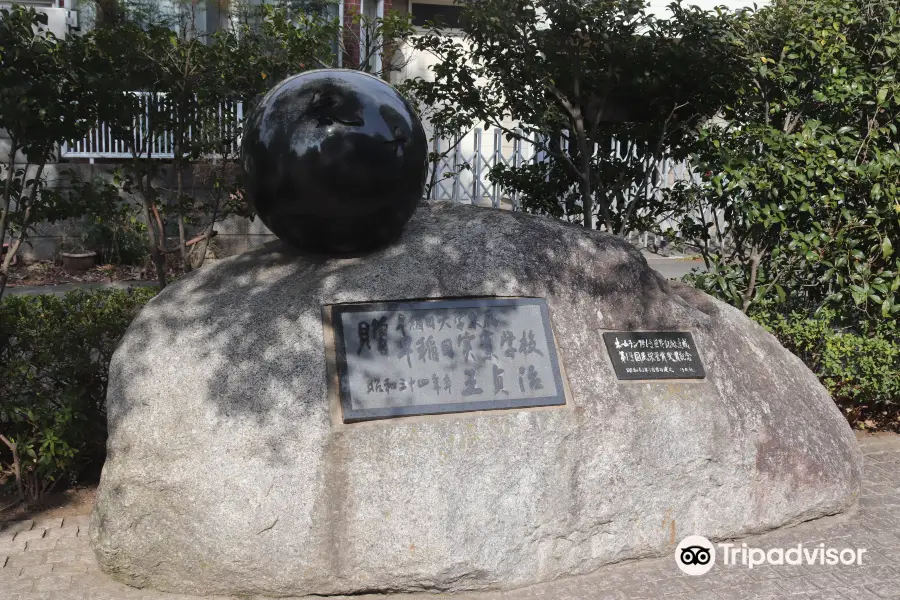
(56, 17)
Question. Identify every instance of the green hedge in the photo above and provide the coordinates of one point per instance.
(859, 366)
(54, 360)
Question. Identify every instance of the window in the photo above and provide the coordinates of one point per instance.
(446, 15)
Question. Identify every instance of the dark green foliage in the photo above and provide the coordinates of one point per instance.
(581, 73)
(800, 197)
(49, 93)
(118, 241)
(114, 229)
(54, 361)
(859, 366)
(798, 209)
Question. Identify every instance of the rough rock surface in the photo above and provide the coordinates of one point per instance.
(225, 474)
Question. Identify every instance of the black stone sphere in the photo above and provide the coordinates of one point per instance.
(334, 161)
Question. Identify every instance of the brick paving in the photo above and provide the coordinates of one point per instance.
(51, 560)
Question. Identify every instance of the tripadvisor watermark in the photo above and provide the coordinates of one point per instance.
(795, 555)
(696, 555)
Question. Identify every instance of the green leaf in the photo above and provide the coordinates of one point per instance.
(886, 247)
(782, 295)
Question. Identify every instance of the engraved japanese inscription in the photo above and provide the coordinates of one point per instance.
(654, 355)
(425, 357)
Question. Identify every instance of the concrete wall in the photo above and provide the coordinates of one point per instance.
(234, 234)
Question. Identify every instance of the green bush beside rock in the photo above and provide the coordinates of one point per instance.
(860, 366)
(54, 359)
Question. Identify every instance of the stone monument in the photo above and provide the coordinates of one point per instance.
(439, 398)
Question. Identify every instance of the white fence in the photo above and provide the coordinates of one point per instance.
(462, 174)
(100, 143)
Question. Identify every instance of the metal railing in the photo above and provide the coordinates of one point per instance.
(461, 172)
(222, 123)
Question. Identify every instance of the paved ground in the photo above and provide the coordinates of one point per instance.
(672, 268)
(50, 560)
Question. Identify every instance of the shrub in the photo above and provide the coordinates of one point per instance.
(54, 360)
(114, 230)
(859, 366)
(48, 94)
(799, 198)
(118, 243)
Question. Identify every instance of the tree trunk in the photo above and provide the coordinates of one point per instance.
(17, 468)
(185, 258)
(159, 261)
(10, 175)
(584, 182)
(7, 262)
(755, 257)
(209, 233)
(26, 220)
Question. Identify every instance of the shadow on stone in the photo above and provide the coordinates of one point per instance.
(225, 474)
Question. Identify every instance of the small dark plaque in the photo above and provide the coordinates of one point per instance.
(426, 357)
(654, 355)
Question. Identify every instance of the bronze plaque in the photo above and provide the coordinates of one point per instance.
(399, 359)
